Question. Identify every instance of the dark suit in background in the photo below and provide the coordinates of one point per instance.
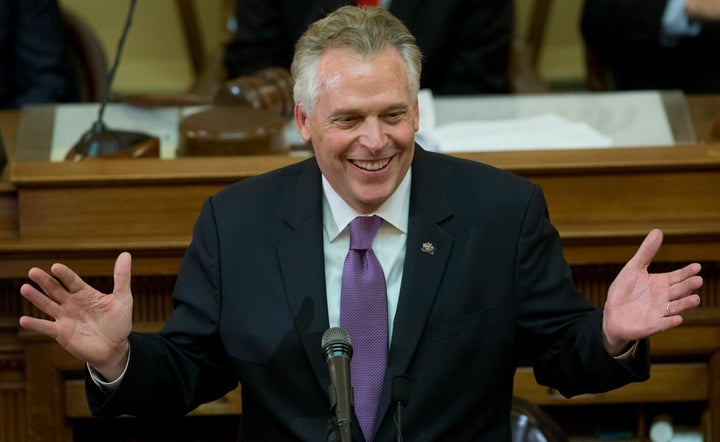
(251, 307)
(33, 68)
(465, 43)
(627, 35)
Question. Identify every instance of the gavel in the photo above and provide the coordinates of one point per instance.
(247, 117)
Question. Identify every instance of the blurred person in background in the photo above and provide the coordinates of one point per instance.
(33, 68)
(656, 44)
(465, 43)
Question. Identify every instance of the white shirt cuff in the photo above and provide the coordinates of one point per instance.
(105, 386)
(629, 354)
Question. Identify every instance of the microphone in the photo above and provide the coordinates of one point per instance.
(337, 351)
(399, 395)
(100, 141)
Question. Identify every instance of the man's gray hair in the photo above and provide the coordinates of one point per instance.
(367, 31)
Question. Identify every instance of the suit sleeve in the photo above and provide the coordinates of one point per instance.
(185, 365)
(561, 330)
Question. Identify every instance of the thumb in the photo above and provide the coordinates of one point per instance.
(647, 250)
(122, 274)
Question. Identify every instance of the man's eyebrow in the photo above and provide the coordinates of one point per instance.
(345, 111)
(396, 107)
(357, 111)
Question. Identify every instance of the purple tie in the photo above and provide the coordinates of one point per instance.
(363, 313)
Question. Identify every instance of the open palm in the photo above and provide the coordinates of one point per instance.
(91, 325)
(640, 303)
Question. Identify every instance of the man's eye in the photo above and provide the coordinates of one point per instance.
(394, 116)
(345, 121)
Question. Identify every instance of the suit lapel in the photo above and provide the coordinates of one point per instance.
(426, 257)
(302, 265)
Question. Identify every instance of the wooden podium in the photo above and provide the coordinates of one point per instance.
(603, 202)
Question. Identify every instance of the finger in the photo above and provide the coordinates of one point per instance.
(68, 277)
(669, 322)
(647, 250)
(680, 275)
(122, 274)
(51, 286)
(47, 328)
(684, 288)
(39, 300)
(679, 306)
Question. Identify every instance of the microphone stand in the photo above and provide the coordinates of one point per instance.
(338, 431)
(398, 421)
(337, 352)
(334, 434)
(400, 395)
(100, 141)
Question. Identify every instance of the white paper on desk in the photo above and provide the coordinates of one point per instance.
(73, 120)
(548, 131)
(426, 107)
(634, 118)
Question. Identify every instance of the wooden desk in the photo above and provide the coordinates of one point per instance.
(602, 201)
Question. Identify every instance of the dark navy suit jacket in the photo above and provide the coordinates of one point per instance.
(251, 308)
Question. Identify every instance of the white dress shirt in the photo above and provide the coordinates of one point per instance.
(388, 245)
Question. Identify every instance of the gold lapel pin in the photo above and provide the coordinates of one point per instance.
(428, 247)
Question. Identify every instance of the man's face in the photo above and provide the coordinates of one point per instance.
(362, 126)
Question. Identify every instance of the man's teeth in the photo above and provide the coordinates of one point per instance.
(371, 165)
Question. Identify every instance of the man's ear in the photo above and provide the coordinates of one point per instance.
(301, 121)
(416, 109)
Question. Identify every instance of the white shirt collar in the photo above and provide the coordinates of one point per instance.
(394, 210)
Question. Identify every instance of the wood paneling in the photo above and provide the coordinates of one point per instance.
(681, 382)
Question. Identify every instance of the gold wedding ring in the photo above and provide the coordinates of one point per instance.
(667, 309)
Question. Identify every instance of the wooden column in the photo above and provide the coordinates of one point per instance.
(47, 367)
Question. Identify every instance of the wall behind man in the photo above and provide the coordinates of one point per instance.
(156, 59)
(562, 57)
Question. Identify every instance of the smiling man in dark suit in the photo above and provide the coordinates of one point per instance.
(474, 276)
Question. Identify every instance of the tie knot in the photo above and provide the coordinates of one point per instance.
(363, 230)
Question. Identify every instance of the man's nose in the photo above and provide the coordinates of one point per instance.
(373, 134)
